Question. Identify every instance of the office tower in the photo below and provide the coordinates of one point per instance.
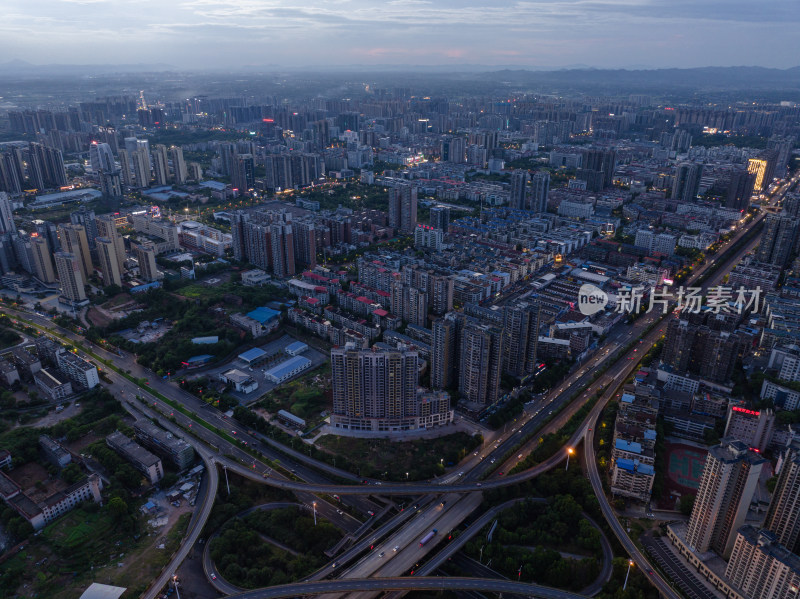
(160, 164)
(10, 177)
(729, 480)
(86, 218)
(778, 239)
(107, 256)
(480, 360)
(178, 165)
(304, 236)
(243, 172)
(125, 168)
(6, 214)
(740, 189)
(761, 567)
(403, 208)
(282, 243)
(686, 183)
(540, 189)
(101, 158)
(141, 168)
(69, 271)
(444, 352)
(783, 515)
(74, 241)
(520, 338)
(440, 218)
(377, 391)
(518, 198)
(146, 255)
(107, 227)
(42, 262)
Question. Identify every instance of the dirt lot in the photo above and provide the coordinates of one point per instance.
(28, 475)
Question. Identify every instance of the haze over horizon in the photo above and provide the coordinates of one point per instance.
(551, 34)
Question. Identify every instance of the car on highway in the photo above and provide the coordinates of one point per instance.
(396, 548)
(213, 576)
(371, 513)
(381, 554)
(340, 512)
(334, 564)
(519, 457)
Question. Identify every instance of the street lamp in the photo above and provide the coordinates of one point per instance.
(175, 584)
(570, 451)
(315, 512)
(406, 475)
(630, 563)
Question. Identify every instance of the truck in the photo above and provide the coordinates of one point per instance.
(427, 537)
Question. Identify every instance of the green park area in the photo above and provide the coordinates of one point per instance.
(267, 548)
(552, 543)
(398, 460)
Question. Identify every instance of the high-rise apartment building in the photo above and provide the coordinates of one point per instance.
(6, 214)
(761, 567)
(148, 269)
(282, 243)
(243, 167)
(686, 183)
(726, 488)
(444, 352)
(597, 168)
(69, 271)
(783, 515)
(440, 218)
(42, 261)
(518, 198)
(86, 218)
(141, 167)
(480, 361)
(160, 164)
(101, 158)
(107, 227)
(180, 174)
(304, 236)
(540, 190)
(377, 391)
(409, 303)
(740, 189)
(520, 338)
(125, 168)
(778, 239)
(107, 256)
(74, 241)
(403, 208)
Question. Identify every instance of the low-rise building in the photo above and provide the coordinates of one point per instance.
(27, 363)
(178, 451)
(8, 373)
(56, 387)
(241, 381)
(55, 452)
(83, 374)
(288, 369)
(255, 278)
(141, 459)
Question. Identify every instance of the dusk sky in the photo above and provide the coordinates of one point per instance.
(533, 33)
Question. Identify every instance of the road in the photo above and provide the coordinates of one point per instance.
(430, 583)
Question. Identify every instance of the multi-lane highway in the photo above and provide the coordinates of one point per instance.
(407, 584)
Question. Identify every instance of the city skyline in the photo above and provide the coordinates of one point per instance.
(207, 34)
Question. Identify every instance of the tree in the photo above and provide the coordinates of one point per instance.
(72, 473)
(118, 509)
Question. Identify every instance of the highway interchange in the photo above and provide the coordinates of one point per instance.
(462, 497)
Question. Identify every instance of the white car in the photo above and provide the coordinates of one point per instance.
(396, 547)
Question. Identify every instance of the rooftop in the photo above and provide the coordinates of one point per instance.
(289, 365)
(263, 314)
(252, 354)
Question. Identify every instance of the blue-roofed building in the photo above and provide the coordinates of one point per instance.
(253, 356)
(627, 398)
(288, 369)
(197, 361)
(628, 446)
(264, 315)
(631, 478)
(296, 348)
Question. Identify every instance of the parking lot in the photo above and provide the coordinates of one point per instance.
(687, 579)
(275, 355)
